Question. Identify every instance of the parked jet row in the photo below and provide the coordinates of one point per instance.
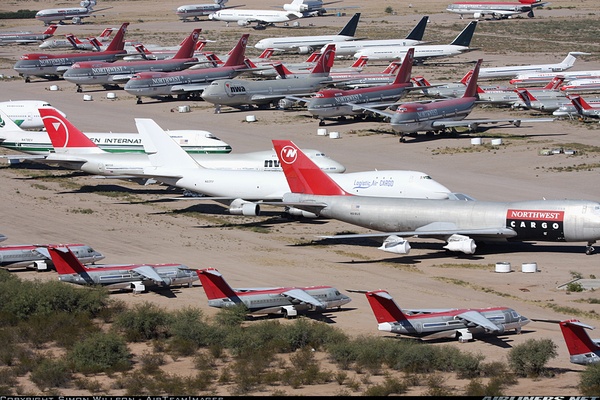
(288, 301)
(27, 37)
(119, 276)
(459, 223)
(456, 323)
(67, 43)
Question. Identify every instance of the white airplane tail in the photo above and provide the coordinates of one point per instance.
(569, 60)
(7, 125)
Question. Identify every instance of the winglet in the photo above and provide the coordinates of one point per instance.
(302, 174)
(64, 135)
(215, 286)
(384, 307)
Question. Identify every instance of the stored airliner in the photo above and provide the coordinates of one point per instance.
(27, 37)
(75, 14)
(195, 11)
(495, 9)
(263, 18)
(37, 257)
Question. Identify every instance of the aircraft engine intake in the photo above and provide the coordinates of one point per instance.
(285, 104)
(243, 207)
(395, 244)
(166, 282)
(461, 243)
(477, 15)
(243, 23)
(305, 49)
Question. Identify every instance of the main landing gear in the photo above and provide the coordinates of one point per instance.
(589, 249)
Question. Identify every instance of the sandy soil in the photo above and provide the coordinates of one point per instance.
(268, 250)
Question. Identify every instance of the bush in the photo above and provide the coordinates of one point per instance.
(100, 352)
(529, 359)
(51, 373)
(145, 322)
(589, 382)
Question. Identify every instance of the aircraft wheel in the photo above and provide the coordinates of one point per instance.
(321, 123)
(139, 101)
(27, 80)
(79, 90)
(402, 140)
(589, 250)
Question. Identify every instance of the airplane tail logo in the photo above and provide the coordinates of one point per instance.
(237, 55)
(62, 133)
(288, 155)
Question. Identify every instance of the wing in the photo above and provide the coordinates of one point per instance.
(478, 319)
(301, 295)
(473, 123)
(374, 110)
(189, 88)
(149, 273)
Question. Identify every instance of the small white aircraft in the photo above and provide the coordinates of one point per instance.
(75, 14)
(195, 11)
(24, 113)
(513, 71)
(495, 9)
(263, 18)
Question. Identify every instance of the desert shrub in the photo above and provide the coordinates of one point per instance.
(529, 359)
(145, 321)
(151, 362)
(8, 380)
(21, 14)
(589, 381)
(467, 365)
(388, 387)
(231, 316)
(306, 367)
(62, 327)
(100, 352)
(344, 354)
(51, 373)
(189, 331)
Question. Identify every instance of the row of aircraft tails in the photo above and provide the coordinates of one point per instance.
(76, 264)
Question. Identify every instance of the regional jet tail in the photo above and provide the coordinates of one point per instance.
(582, 349)
(277, 300)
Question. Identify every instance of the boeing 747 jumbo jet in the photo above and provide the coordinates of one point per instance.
(119, 276)
(308, 44)
(24, 113)
(459, 223)
(263, 18)
(195, 11)
(53, 65)
(286, 300)
(36, 255)
(495, 9)
(27, 37)
(75, 14)
(459, 323)
(242, 191)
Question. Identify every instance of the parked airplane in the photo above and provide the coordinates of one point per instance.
(263, 18)
(38, 144)
(119, 276)
(190, 82)
(512, 71)
(527, 78)
(414, 37)
(73, 149)
(36, 255)
(109, 74)
(27, 37)
(287, 300)
(264, 93)
(543, 104)
(24, 113)
(582, 349)
(459, 323)
(312, 8)
(582, 85)
(332, 103)
(53, 65)
(569, 110)
(195, 11)
(459, 223)
(239, 190)
(495, 9)
(441, 115)
(584, 108)
(308, 44)
(66, 43)
(75, 14)
(459, 45)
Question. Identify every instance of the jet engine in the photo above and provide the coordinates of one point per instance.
(166, 282)
(76, 20)
(285, 104)
(305, 49)
(477, 15)
(243, 207)
(243, 23)
(296, 212)
(395, 244)
(461, 243)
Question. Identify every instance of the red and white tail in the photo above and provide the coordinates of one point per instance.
(471, 90)
(302, 174)
(314, 57)
(118, 42)
(406, 67)
(360, 63)
(266, 54)
(73, 40)
(579, 342)
(237, 55)
(555, 83)
(200, 44)
(105, 34)
(50, 30)
(420, 81)
(214, 284)
(96, 43)
(392, 68)
(188, 46)
(325, 61)
(465, 79)
(65, 262)
(65, 137)
(212, 57)
(384, 307)
(141, 49)
(525, 95)
(281, 69)
(579, 103)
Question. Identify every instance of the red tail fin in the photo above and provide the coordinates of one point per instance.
(406, 67)
(142, 49)
(525, 95)
(392, 68)
(65, 261)
(73, 40)
(420, 81)
(95, 43)
(50, 30)
(105, 33)
(467, 78)
(579, 103)
(267, 53)
(238, 52)
(200, 44)
(118, 42)
(360, 63)
(214, 284)
(384, 307)
(555, 83)
(325, 61)
(188, 45)
(314, 57)
(576, 338)
(302, 174)
(471, 90)
(281, 69)
(63, 134)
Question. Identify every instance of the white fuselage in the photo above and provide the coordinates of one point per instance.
(349, 48)
(243, 16)
(25, 113)
(423, 52)
(293, 43)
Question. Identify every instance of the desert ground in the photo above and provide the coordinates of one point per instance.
(269, 250)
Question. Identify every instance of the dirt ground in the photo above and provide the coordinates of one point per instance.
(270, 251)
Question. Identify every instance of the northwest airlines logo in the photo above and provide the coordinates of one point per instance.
(288, 155)
(537, 224)
(60, 131)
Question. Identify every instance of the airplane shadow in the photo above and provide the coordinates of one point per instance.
(120, 189)
(327, 316)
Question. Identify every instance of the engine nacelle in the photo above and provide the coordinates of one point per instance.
(76, 20)
(243, 23)
(137, 287)
(40, 265)
(289, 311)
(285, 104)
(166, 282)
(461, 243)
(243, 207)
(477, 15)
(305, 49)
(395, 244)
(296, 212)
